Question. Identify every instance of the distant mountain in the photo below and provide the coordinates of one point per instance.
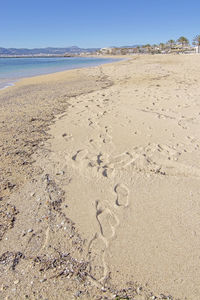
(43, 51)
(134, 46)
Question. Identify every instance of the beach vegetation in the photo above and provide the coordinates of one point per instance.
(196, 40)
(183, 41)
(162, 46)
(181, 45)
(171, 43)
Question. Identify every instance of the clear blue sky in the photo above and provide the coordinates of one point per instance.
(91, 23)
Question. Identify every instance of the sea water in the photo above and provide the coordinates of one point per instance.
(12, 69)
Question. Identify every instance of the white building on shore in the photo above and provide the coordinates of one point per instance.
(106, 50)
(197, 49)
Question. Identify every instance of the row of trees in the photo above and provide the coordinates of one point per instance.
(181, 45)
(182, 41)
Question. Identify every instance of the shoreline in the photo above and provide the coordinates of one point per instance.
(7, 86)
(16, 151)
(13, 81)
(61, 77)
(105, 158)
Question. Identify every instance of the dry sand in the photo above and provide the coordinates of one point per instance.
(105, 204)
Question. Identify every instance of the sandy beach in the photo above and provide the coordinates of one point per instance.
(100, 182)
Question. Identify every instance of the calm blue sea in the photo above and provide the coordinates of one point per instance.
(12, 69)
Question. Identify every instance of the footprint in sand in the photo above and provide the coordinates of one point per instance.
(121, 160)
(122, 195)
(93, 124)
(96, 255)
(67, 136)
(108, 172)
(98, 248)
(107, 222)
(106, 139)
(37, 241)
(80, 155)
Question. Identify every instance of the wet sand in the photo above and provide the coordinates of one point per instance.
(100, 182)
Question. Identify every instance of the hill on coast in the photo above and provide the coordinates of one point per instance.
(48, 50)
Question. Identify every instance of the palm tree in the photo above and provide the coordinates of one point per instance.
(162, 46)
(197, 40)
(171, 43)
(138, 49)
(183, 41)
